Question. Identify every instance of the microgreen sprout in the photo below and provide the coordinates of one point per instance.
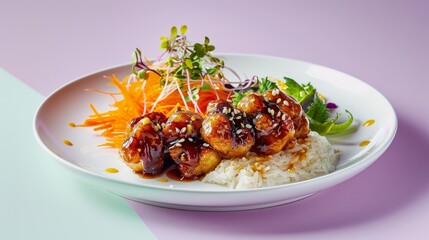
(139, 67)
(185, 67)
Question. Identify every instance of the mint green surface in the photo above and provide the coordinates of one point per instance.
(39, 199)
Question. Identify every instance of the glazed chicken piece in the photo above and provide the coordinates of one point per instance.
(185, 146)
(274, 128)
(182, 124)
(194, 157)
(227, 130)
(290, 106)
(142, 149)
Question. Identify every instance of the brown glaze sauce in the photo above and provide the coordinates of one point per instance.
(175, 175)
(171, 172)
(150, 176)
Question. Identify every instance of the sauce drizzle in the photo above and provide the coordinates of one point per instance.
(111, 170)
(364, 143)
(368, 123)
(67, 142)
(164, 180)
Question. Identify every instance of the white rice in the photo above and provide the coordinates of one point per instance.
(311, 158)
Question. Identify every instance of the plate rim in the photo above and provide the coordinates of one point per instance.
(355, 166)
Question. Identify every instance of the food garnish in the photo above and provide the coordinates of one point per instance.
(182, 108)
(316, 109)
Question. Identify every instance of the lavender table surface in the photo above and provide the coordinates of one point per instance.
(46, 44)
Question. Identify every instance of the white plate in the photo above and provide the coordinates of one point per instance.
(71, 102)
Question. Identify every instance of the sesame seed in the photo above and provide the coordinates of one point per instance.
(278, 100)
(177, 130)
(238, 117)
(279, 114)
(248, 126)
(286, 103)
(178, 145)
(224, 110)
(236, 111)
(284, 116)
(229, 110)
(239, 131)
(206, 145)
(244, 114)
(242, 125)
(183, 130)
(231, 118)
(274, 93)
(190, 139)
(181, 140)
(163, 125)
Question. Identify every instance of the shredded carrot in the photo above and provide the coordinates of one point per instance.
(138, 98)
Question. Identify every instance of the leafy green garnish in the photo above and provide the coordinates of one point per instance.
(264, 84)
(330, 126)
(303, 93)
(318, 111)
(315, 109)
(236, 98)
(206, 87)
(306, 95)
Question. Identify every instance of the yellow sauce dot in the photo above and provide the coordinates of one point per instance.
(364, 143)
(111, 170)
(72, 124)
(67, 142)
(368, 123)
(163, 180)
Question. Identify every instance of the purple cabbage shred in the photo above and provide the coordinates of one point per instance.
(331, 105)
